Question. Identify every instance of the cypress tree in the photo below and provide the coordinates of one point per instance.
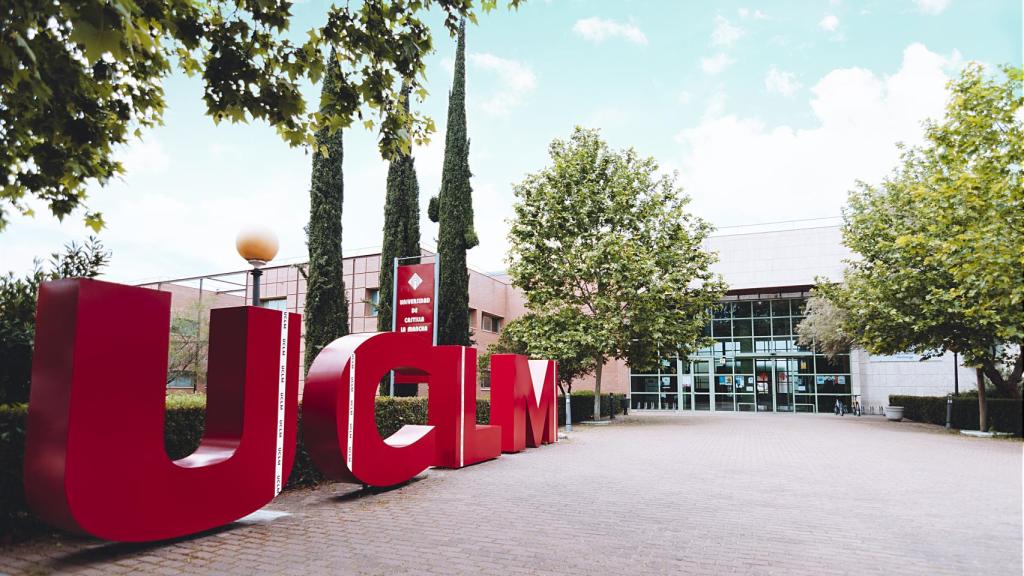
(326, 310)
(452, 208)
(401, 225)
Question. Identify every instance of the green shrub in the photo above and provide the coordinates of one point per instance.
(583, 406)
(15, 518)
(1004, 414)
(18, 311)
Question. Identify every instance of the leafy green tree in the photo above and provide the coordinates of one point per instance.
(188, 350)
(326, 311)
(452, 209)
(603, 247)
(552, 337)
(940, 240)
(822, 327)
(18, 311)
(401, 229)
(78, 78)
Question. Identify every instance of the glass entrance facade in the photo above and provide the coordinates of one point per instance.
(755, 365)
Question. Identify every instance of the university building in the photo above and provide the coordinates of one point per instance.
(755, 363)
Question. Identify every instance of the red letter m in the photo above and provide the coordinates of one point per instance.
(523, 401)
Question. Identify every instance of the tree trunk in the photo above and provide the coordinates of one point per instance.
(1008, 387)
(982, 407)
(597, 388)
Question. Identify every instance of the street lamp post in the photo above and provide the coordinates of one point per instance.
(257, 245)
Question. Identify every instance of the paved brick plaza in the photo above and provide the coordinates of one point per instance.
(654, 494)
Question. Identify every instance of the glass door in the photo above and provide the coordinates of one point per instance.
(785, 378)
(764, 378)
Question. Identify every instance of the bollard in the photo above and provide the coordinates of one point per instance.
(949, 411)
(568, 413)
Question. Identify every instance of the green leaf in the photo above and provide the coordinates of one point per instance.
(94, 220)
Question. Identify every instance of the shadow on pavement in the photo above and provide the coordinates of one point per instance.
(114, 551)
(373, 490)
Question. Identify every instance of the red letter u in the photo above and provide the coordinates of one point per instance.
(95, 460)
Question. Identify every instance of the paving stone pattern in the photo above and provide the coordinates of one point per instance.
(652, 494)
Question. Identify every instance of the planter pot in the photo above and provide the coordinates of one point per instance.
(894, 413)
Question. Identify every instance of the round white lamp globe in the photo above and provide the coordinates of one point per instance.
(257, 245)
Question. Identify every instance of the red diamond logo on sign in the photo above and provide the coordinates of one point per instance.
(415, 281)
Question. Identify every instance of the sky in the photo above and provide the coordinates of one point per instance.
(767, 112)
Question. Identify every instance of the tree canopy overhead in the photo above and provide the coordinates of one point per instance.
(609, 260)
(941, 241)
(79, 78)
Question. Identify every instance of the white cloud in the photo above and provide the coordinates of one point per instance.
(684, 97)
(515, 81)
(724, 33)
(932, 6)
(598, 30)
(715, 104)
(716, 63)
(829, 23)
(741, 169)
(144, 157)
(604, 117)
(779, 82)
(755, 14)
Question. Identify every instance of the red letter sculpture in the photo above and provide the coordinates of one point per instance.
(339, 410)
(510, 385)
(542, 404)
(523, 401)
(452, 407)
(95, 460)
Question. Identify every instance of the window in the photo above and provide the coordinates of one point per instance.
(721, 328)
(780, 308)
(181, 380)
(762, 327)
(184, 326)
(490, 323)
(741, 310)
(275, 303)
(372, 301)
(484, 377)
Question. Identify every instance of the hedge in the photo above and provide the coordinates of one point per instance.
(1004, 414)
(583, 406)
(14, 515)
(183, 428)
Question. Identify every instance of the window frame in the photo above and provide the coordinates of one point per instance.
(265, 301)
(495, 323)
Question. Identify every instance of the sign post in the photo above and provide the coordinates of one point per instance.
(414, 302)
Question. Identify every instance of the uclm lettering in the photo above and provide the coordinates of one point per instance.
(95, 461)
